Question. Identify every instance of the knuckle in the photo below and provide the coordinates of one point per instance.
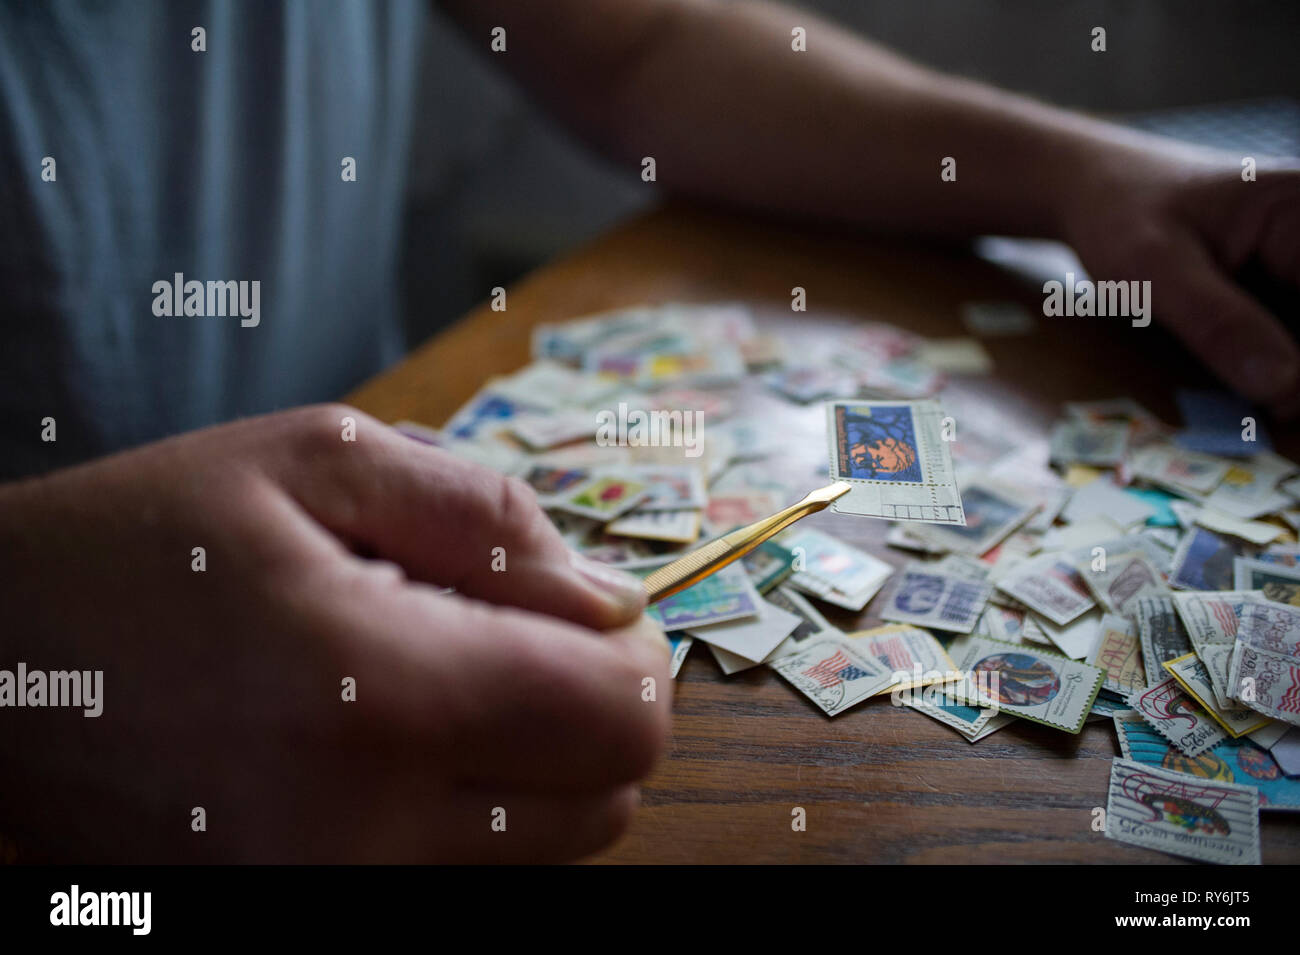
(319, 428)
(517, 502)
(506, 505)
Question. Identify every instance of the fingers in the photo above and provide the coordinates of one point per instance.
(453, 523)
(545, 707)
(1279, 243)
(496, 696)
(1220, 322)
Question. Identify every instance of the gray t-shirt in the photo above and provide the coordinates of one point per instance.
(224, 166)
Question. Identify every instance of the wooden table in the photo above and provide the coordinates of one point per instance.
(880, 783)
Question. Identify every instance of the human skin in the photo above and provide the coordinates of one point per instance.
(848, 131)
(325, 560)
(223, 687)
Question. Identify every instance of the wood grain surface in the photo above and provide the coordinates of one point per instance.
(879, 783)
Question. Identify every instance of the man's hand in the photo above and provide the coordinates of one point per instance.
(223, 687)
(1189, 224)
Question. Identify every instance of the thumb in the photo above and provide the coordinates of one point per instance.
(451, 522)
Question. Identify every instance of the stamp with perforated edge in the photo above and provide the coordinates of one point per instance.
(1183, 815)
(894, 455)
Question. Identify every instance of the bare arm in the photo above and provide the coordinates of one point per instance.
(846, 130)
(851, 132)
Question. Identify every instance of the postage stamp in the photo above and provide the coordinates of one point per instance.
(1078, 638)
(1162, 634)
(1126, 577)
(810, 621)
(833, 673)
(543, 431)
(1002, 623)
(1173, 812)
(1051, 586)
(682, 527)
(1232, 761)
(1180, 470)
(726, 595)
(1177, 717)
(1193, 676)
(1080, 441)
(728, 511)
(604, 497)
(752, 638)
(1204, 561)
(955, 707)
(1266, 681)
(1277, 582)
(1212, 618)
(768, 565)
(484, 415)
(837, 572)
(894, 455)
(913, 655)
(1217, 658)
(671, 488)
(549, 482)
(1027, 682)
(1271, 626)
(680, 644)
(831, 560)
(938, 601)
(991, 514)
(1249, 489)
(1119, 655)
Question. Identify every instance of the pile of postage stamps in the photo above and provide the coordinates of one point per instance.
(1142, 574)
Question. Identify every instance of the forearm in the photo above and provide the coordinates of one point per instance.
(845, 131)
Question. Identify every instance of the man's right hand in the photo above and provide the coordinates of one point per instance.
(223, 688)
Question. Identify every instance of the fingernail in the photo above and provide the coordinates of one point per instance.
(624, 589)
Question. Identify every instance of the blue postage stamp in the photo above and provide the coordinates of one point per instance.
(877, 442)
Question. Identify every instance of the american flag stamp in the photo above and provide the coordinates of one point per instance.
(834, 674)
(1212, 617)
(913, 655)
(1267, 682)
(1184, 815)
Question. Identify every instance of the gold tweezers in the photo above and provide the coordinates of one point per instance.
(713, 556)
